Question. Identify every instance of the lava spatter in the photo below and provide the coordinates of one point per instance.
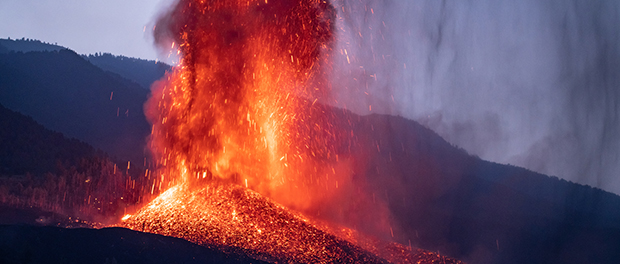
(232, 217)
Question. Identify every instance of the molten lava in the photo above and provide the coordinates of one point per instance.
(239, 120)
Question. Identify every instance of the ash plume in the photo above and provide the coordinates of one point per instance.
(530, 83)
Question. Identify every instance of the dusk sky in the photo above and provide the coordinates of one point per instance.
(114, 26)
(526, 82)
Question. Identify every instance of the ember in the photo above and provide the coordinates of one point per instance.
(237, 220)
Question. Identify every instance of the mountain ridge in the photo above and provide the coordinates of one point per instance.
(27, 45)
(143, 72)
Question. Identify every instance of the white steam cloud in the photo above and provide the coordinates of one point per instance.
(526, 82)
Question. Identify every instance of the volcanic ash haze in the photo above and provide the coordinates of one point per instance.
(530, 83)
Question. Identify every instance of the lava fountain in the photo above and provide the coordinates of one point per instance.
(239, 127)
(237, 106)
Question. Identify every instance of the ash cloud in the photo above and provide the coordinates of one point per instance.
(529, 83)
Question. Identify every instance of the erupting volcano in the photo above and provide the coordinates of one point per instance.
(239, 127)
(237, 106)
(310, 131)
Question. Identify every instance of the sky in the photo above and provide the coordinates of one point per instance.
(114, 26)
(524, 82)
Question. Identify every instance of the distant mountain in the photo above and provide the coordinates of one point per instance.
(26, 45)
(65, 93)
(144, 72)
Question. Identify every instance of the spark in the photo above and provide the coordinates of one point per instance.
(125, 217)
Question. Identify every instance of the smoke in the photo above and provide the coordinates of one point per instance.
(529, 83)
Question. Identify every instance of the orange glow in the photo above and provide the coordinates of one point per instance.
(241, 138)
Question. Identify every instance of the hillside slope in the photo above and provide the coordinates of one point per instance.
(443, 199)
(28, 147)
(65, 93)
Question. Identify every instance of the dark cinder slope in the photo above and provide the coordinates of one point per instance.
(65, 93)
(30, 244)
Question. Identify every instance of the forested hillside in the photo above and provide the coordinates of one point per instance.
(143, 72)
(27, 147)
(26, 45)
